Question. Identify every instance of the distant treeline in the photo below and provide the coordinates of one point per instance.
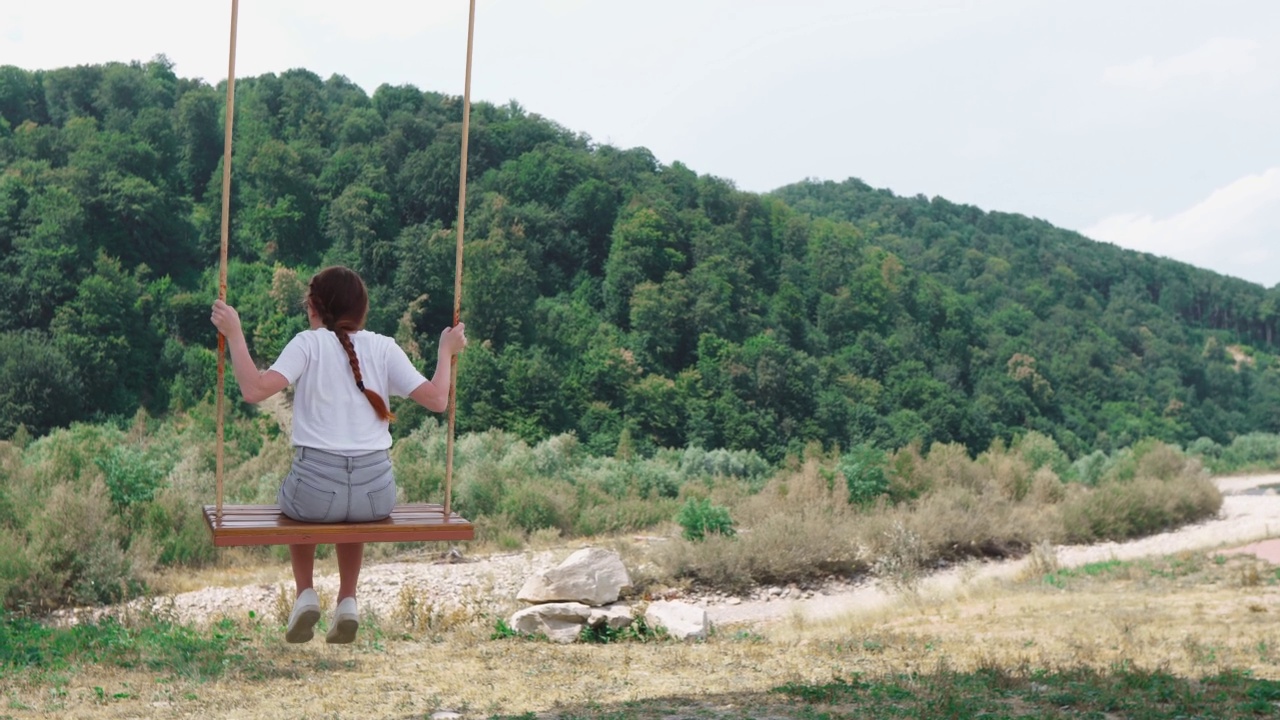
(636, 304)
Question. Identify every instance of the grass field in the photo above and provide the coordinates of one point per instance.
(1185, 636)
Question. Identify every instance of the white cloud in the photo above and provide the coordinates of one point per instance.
(1232, 231)
(1219, 58)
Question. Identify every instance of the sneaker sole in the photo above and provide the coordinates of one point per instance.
(304, 628)
(343, 632)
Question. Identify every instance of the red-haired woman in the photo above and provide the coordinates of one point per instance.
(341, 469)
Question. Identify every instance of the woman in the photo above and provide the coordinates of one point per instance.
(341, 469)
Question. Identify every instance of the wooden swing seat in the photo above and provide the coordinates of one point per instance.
(266, 525)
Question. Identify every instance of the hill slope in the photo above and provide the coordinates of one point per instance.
(637, 304)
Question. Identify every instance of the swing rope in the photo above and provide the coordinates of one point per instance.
(226, 227)
(222, 268)
(457, 278)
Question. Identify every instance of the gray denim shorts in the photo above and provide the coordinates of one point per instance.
(323, 487)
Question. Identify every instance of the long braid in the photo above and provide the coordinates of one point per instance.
(338, 297)
(379, 405)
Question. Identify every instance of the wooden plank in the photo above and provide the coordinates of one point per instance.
(266, 525)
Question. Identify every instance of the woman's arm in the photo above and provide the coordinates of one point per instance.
(255, 385)
(434, 393)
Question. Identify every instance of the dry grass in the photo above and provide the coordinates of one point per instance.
(1189, 614)
(1185, 614)
(948, 508)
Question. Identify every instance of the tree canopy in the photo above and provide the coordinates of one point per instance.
(610, 295)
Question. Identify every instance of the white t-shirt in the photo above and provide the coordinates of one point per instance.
(329, 411)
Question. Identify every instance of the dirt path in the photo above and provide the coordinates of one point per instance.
(1247, 515)
(490, 585)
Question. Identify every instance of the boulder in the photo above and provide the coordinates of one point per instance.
(591, 576)
(615, 616)
(563, 622)
(682, 621)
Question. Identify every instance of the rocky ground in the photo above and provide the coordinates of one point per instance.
(1250, 511)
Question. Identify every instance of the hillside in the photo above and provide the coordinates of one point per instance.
(637, 304)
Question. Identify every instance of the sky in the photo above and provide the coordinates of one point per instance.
(1150, 124)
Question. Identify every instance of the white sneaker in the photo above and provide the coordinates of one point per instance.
(305, 615)
(346, 620)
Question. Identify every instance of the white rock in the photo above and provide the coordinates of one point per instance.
(681, 620)
(560, 622)
(615, 616)
(446, 715)
(592, 576)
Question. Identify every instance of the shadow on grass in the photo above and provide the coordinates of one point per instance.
(989, 693)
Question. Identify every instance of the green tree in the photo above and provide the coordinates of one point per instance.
(103, 331)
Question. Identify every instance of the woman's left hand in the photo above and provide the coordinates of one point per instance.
(225, 318)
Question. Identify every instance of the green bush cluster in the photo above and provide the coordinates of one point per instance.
(699, 518)
(1250, 452)
(88, 513)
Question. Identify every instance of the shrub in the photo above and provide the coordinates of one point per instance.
(1205, 447)
(700, 518)
(863, 468)
(625, 515)
(15, 570)
(481, 492)
(557, 454)
(1254, 450)
(176, 530)
(1090, 468)
(746, 465)
(131, 477)
(1118, 510)
(1006, 472)
(645, 478)
(1040, 450)
(74, 555)
(531, 506)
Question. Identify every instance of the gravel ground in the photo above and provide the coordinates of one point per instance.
(490, 584)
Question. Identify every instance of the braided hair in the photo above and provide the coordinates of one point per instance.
(340, 300)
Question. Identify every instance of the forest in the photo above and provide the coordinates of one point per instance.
(635, 304)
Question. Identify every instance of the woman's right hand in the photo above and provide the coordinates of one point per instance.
(453, 339)
(225, 318)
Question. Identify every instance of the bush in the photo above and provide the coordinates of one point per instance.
(1119, 510)
(74, 554)
(1205, 447)
(863, 468)
(131, 477)
(176, 530)
(700, 518)
(1040, 450)
(625, 515)
(531, 506)
(745, 465)
(1090, 468)
(1251, 451)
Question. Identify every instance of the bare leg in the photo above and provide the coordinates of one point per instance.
(303, 559)
(350, 558)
